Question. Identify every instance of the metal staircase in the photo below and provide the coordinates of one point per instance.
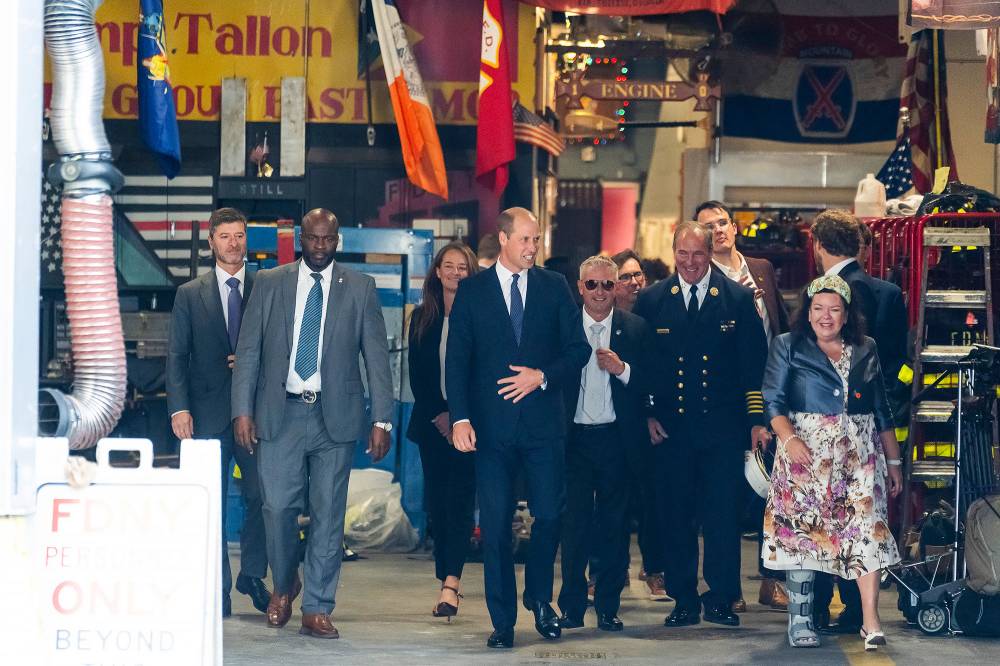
(959, 257)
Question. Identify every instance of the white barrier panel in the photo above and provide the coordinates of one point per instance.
(129, 567)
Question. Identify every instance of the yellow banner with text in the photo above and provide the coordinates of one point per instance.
(265, 40)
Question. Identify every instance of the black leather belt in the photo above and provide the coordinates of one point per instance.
(308, 397)
(594, 426)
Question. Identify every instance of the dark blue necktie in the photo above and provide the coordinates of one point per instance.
(516, 308)
(693, 303)
(234, 308)
(308, 350)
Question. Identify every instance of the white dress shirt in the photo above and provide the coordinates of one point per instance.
(743, 276)
(839, 266)
(607, 414)
(702, 288)
(221, 276)
(506, 277)
(294, 383)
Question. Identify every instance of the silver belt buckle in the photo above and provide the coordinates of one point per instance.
(309, 397)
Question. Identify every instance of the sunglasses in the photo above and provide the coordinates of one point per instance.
(625, 277)
(591, 285)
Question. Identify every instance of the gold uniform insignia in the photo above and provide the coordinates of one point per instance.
(713, 291)
(674, 289)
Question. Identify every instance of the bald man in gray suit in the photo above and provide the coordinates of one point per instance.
(298, 402)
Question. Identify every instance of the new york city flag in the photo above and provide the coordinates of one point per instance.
(157, 116)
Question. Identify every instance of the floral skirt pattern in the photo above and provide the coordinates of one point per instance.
(830, 515)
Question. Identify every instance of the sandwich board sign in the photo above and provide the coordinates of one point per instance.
(128, 568)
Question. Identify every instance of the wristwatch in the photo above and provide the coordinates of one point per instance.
(385, 426)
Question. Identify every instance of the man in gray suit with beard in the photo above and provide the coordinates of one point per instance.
(298, 402)
(204, 327)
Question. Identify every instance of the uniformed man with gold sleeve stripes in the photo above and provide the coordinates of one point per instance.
(706, 368)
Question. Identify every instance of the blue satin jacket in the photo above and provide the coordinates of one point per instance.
(800, 378)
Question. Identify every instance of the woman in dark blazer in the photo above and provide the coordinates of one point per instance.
(837, 459)
(449, 476)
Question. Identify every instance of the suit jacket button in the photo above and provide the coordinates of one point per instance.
(680, 398)
(282, 384)
(680, 359)
(680, 385)
(836, 391)
(704, 399)
(680, 410)
(680, 373)
(704, 372)
(704, 358)
(704, 384)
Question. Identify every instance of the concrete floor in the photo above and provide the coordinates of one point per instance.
(383, 614)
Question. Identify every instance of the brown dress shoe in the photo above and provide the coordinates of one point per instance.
(318, 625)
(740, 606)
(654, 583)
(279, 610)
(773, 594)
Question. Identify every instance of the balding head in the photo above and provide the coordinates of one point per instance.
(319, 237)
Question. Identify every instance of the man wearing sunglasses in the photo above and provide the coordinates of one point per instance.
(604, 414)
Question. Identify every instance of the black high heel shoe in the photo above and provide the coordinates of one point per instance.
(444, 609)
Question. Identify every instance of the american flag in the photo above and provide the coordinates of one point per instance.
(896, 173)
(51, 251)
(168, 213)
(918, 95)
(531, 129)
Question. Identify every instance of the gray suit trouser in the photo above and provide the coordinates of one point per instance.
(303, 456)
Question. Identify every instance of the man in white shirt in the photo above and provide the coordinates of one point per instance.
(297, 387)
(204, 327)
(606, 419)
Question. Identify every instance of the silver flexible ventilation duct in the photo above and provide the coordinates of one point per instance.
(88, 179)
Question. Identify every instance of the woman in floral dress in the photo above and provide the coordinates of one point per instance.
(837, 459)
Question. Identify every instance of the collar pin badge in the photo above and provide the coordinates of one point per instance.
(340, 280)
(714, 291)
(674, 289)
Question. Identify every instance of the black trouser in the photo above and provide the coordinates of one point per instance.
(450, 497)
(642, 482)
(542, 461)
(757, 505)
(253, 545)
(595, 517)
(850, 594)
(702, 486)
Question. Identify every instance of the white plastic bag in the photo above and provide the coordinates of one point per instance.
(375, 519)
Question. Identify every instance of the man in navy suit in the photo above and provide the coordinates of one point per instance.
(515, 341)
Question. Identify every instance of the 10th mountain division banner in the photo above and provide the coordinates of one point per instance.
(265, 40)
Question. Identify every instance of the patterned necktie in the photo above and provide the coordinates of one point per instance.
(693, 303)
(234, 307)
(308, 350)
(516, 308)
(593, 382)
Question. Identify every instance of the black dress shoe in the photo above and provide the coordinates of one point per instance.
(821, 620)
(567, 621)
(256, 590)
(848, 623)
(227, 606)
(682, 617)
(722, 614)
(501, 639)
(546, 620)
(609, 622)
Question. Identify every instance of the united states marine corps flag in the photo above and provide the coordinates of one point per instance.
(157, 115)
(495, 130)
(418, 135)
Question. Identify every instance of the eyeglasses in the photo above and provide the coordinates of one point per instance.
(591, 285)
(313, 238)
(625, 277)
(712, 226)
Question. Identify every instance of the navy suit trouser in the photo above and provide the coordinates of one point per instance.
(497, 464)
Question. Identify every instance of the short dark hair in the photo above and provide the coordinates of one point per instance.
(655, 270)
(505, 221)
(624, 256)
(225, 216)
(865, 234)
(711, 204)
(853, 332)
(836, 231)
(489, 247)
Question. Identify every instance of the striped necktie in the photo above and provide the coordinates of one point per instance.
(307, 351)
